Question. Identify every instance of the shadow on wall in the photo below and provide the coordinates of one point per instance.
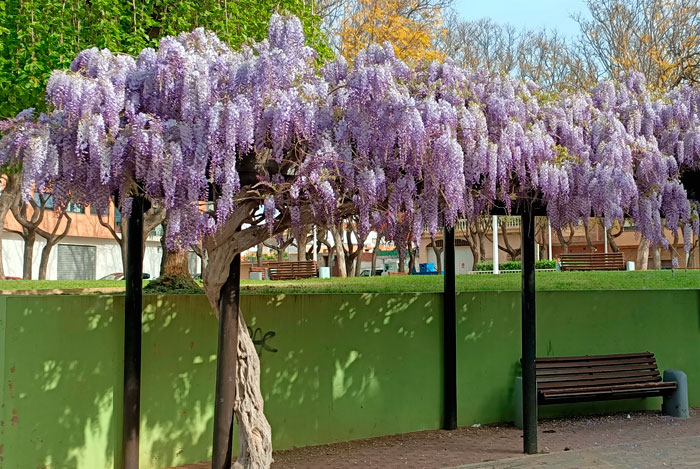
(178, 380)
(370, 361)
(61, 388)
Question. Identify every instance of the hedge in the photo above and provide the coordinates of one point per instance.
(513, 265)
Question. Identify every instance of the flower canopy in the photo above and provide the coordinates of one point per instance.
(403, 147)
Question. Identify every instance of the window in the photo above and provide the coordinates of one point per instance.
(48, 198)
(76, 262)
(117, 220)
(75, 208)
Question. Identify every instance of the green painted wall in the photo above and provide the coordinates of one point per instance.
(338, 367)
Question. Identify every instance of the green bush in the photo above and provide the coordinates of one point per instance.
(486, 266)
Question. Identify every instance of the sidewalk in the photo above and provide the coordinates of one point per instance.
(638, 439)
(671, 452)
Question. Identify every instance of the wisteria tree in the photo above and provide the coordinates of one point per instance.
(239, 146)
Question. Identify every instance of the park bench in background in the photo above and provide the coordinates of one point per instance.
(592, 261)
(292, 270)
(606, 377)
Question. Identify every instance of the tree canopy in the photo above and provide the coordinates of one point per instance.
(39, 36)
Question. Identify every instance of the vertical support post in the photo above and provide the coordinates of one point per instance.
(494, 228)
(226, 364)
(133, 307)
(549, 227)
(529, 332)
(450, 333)
(605, 235)
(315, 245)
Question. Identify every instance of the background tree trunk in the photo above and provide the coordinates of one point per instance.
(438, 254)
(339, 251)
(565, 242)
(375, 253)
(259, 255)
(7, 200)
(411, 261)
(52, 238)
(657, 257)
(402, 259)
(643, 254)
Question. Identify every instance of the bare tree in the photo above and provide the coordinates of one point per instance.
(52, 238)
(565, 242)
(30, 224)
(545, 57)
(659, 38)
(282, 242)
(151, 219)
(475, 234)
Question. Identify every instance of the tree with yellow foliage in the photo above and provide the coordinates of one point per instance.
(412, 26)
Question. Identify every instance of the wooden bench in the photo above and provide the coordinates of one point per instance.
(605, 377)
(292, 270)
(592, 261)
(599, 377)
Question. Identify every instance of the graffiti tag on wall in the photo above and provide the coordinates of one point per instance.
(260, 340)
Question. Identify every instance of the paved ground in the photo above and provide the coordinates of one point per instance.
(643, 439)
(670, 452)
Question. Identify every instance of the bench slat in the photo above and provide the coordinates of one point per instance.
(594, 376)
(612, 388)
(598, 369)
(592, 357)
(599, 382)
(592, 364)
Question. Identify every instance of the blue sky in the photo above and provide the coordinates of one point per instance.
(522, 13)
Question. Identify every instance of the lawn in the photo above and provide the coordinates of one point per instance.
(638, 280)
(59, 284)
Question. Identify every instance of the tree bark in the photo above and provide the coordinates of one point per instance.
(30, 225)
(565, 242)
(52, 238)
(375, 253)
(589, 242)
(411, 261)
(339, 252)
(402, 259)
(657, 257)
(438, 254)
(358, 263)
(28, 258)
(7, 200)
(643, 254)
(259, 255)
(175, 264)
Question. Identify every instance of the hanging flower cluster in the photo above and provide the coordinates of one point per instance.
(407, 148)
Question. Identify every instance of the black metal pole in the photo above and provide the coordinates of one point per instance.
(133, 307)
(227, 355)
(529, 332)
(450, 333)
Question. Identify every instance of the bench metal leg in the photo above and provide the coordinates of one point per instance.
(676, 404)
(518, 420)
